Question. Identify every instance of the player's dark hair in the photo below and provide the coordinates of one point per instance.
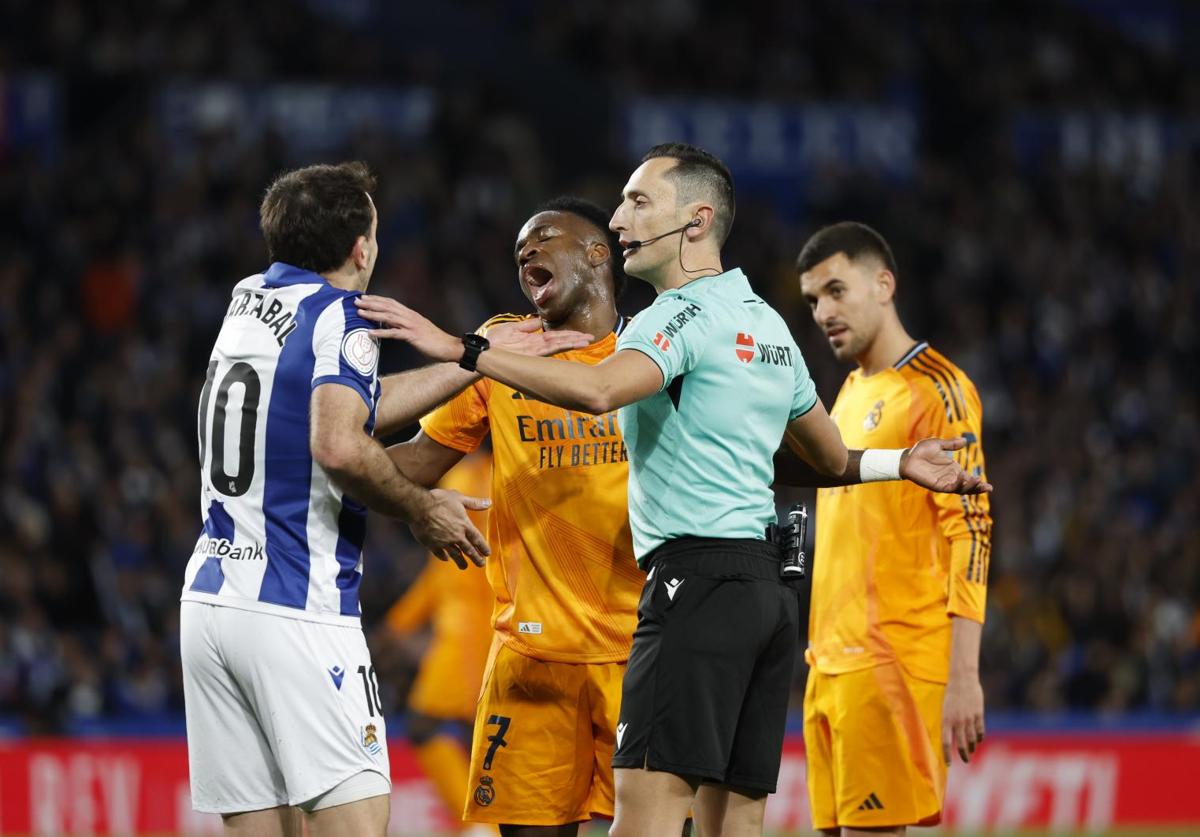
(311, 217)
(598, 218)
(850, 238)
(699, 175)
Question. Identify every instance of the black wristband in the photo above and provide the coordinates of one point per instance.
(473, 346)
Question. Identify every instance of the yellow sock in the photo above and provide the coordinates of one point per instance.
(445, 762)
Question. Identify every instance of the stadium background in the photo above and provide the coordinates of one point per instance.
(1034, 165)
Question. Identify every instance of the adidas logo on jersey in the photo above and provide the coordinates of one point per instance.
(529, 627)
(621, 733)
(672, 587)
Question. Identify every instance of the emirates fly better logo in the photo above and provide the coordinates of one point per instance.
(745, 347)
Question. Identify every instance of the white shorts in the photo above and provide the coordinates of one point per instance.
(279, 710)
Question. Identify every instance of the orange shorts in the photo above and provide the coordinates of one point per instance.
(872, 740)
(542, 749)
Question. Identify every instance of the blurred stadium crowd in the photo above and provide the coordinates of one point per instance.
(1064, 291)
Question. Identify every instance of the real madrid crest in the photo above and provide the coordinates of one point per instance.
(874, 417)
(485, 794)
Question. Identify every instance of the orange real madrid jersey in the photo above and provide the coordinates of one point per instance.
(562, 567)
(893, 562)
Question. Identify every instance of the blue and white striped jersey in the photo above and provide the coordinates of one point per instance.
(278, 535)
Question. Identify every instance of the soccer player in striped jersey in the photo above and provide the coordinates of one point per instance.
(281, 699)
(899, 575)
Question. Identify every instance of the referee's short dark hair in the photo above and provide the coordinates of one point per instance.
(598, 218)
(699, 175)
(311, 217)
(851, 238)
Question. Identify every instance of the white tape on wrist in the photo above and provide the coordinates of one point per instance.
(878, 464)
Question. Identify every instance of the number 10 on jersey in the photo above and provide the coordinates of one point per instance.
(243, 374)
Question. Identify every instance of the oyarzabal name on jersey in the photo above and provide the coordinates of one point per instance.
(222, 548)
(277, 317)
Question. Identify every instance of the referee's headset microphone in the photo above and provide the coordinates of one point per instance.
(637, 245)
(695, 222)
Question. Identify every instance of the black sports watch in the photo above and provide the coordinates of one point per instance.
(474, 346)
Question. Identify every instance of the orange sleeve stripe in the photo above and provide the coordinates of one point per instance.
(932, 373)
(979, 502)
(936, 385)
(963, 457)
(976, 552)
(975, 515)
(941, 380)
(953, 378)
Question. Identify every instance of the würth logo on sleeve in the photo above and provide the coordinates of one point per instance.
(775, 355)
(663, 338)
(745, 347)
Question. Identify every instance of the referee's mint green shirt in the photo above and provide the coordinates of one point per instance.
(701, 449)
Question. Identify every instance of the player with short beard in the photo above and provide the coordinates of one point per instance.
(900, 575)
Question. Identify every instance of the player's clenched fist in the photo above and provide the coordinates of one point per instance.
(443, 527)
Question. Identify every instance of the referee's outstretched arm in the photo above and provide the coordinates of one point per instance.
(621, 379)
(927, 463)
(818, 442)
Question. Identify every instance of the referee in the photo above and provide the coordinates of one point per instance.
(707, 380)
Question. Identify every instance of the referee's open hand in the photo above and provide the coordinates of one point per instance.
(526, 337)
(930, 463)
(446, 530)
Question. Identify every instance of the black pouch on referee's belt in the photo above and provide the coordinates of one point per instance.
(790, 539)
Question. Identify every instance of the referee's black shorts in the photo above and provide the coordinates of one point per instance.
(706, 690)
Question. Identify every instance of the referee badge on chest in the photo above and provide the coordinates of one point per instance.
(874, 417)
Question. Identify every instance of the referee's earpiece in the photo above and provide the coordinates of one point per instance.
(695, 222)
